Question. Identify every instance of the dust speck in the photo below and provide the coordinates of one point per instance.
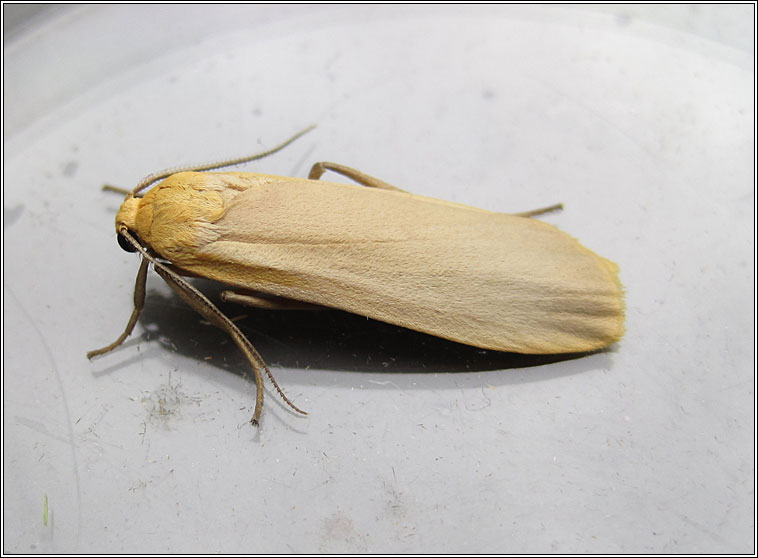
(11, 215)
(340, 533)
(166, 402)
(623, 19)
(69, 169)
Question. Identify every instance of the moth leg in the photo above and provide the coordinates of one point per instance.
(198, 302)
(541, 210)
(318, 169)
(206, 309)
(118, 190)
(361, 178)
(139, 304)
(267, 303)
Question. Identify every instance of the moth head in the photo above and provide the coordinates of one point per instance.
(126, 219)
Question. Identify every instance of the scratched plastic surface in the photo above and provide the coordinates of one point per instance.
(639, 120)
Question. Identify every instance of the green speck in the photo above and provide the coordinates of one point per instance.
(44, 512)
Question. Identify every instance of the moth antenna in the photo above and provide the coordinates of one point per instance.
(279, 390)
(153, 178)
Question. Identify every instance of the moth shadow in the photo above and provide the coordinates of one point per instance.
(320, 339)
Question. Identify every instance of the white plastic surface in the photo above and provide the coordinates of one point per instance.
(644, 132)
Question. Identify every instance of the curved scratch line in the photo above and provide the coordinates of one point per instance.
(65, 406)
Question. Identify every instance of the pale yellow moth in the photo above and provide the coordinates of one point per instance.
(491, 280)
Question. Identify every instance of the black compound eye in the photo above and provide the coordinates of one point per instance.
(124, 243)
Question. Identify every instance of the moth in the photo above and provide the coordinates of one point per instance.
(505, 282)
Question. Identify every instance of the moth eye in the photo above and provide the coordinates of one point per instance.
(124, 243)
